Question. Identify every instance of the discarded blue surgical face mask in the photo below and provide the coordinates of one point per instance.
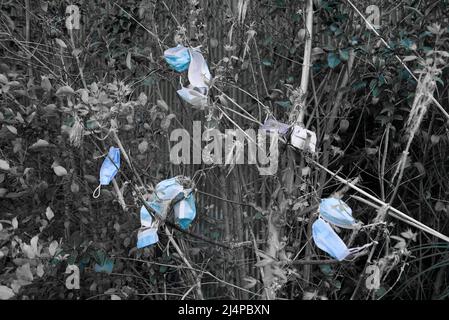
(145, 217)
(193, 97)
(108, 169)
(148, 232)
(178, 58)
(110, 166)
(337, 212)
(199, 74)
(327, 240)
(168, 189)
(272, 124)
(185, 210)
(159, 206)
(165, 192)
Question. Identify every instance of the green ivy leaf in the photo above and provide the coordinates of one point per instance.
(354, 41)
(163, 269)
(337, 284)
(284, 104)
(268, 41)
(408, 44)
(215, 235)
(99, 256)
(344, 54)
(381, 80)
(266, 62)
(150, 81)
(335, 29)
(437, 79)
(258, 216)
(359, 85)
(326, 269)
(295, 17)
(92, 124)
(69, 121)
(333, 60)
(106, 267)
(380, 292)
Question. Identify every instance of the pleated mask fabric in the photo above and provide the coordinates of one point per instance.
(327, 240)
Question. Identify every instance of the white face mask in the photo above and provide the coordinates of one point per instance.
(199, 75)
(303, 139)
(337, 212)
(193, 97)
(327, 240)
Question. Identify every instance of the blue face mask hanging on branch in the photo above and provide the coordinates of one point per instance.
(176, 193)
(109, 169)
(185, 210)
(193, 97)
(337, 212)
(327, 240)
(165, 192)
(178, 58)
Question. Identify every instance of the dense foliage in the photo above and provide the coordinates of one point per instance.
(66, 96)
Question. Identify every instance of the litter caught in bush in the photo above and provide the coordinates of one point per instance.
(180, 59)
(174, 193)
(337, 212)
(303, 139)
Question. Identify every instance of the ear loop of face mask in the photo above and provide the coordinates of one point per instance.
(358, 249)
(97, 192)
